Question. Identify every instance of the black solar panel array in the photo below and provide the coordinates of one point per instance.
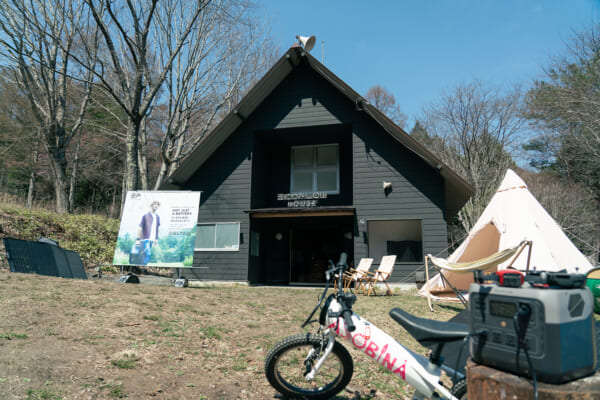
(43, 258)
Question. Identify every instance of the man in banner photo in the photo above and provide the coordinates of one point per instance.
(148, 231)
(158, 229)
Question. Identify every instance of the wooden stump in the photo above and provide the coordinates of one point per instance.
(491, 384)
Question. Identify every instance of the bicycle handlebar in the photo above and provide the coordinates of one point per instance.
(347, 315)
(330, 271)
(345, 300)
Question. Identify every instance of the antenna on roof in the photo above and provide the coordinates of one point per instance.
(308, 42)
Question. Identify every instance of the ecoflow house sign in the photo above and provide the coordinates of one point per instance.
(297, 200)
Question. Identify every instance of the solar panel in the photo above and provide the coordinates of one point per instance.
(44, 258)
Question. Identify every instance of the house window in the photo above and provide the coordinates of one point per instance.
(218, 236)
(315, 169)
(400, 237)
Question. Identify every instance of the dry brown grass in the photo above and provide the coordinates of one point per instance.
(74, 339)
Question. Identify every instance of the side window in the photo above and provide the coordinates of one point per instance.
(400, 237)
(218, 236)
(315, 169)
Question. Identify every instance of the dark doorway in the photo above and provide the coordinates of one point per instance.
(313, 245)
(276, 254)
(298, 250)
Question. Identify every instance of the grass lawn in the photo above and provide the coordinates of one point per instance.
(67, 339)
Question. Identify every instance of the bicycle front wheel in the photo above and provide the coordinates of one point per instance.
(459, 390)
(292, 358)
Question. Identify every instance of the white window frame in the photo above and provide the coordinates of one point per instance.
(315, 169)
(237, 248)
(380, 231)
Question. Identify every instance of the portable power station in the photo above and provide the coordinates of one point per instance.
(554, 323)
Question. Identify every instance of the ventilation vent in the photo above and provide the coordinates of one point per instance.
(576, 305)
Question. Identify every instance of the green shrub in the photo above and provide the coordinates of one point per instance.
(94, 237)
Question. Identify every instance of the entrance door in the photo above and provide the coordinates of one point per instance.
(298, 250)
(275, 246)
(312, 248)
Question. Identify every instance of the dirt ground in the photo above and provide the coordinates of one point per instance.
(99, 339)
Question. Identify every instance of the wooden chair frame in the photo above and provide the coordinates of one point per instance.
(382, 274)
(357, 275)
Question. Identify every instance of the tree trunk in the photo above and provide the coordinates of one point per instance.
(123, 195)
(162, 174)
(33, 173)
(143, 156)
(113, 206)
(73, 179)
(165, 165)
(31, 189)
(131, 159)
(2, 175)
(58, 162)
(60, 188)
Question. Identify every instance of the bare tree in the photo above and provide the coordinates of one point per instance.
(572, 205)
(226, 53)
(564, 107)
(39, 39)
(148, 42)
(128, 30)
(386, 103)
(479, 125)
(19, 141)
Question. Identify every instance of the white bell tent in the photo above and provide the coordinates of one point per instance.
(511, 217)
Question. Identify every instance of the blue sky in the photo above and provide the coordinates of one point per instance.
(417, 49)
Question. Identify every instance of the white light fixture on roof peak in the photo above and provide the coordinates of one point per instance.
(308, 42)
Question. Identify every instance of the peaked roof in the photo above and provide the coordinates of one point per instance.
(518, 216)
(457, 190)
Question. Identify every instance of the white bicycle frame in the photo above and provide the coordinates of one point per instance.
(415, 369)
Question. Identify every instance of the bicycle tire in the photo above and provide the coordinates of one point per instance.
(459, 389)
(285, 367)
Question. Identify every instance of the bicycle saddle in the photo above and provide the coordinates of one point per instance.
(428, 331)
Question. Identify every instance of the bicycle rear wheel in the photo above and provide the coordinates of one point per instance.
(292, 358)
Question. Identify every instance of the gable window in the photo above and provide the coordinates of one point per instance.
(315, 169)
(218, 236)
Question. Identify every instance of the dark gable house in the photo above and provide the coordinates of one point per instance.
(304, 169)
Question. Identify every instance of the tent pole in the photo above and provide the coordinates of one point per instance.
(530, 244)
(456, 291)
(522, 245)
(427, 282)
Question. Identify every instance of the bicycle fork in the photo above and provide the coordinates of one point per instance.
(315, 369)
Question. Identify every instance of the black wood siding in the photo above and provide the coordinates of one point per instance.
(417, 192)
(230, 183)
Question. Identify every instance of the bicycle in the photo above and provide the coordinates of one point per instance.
(317, 366)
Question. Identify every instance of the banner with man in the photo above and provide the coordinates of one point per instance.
(158, 229)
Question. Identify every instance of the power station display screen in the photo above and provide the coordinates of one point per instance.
(502, 309)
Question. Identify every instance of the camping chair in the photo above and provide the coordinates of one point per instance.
(481, 264)
(382, 274)
(357, 275)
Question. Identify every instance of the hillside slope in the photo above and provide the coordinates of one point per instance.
(92, 236)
